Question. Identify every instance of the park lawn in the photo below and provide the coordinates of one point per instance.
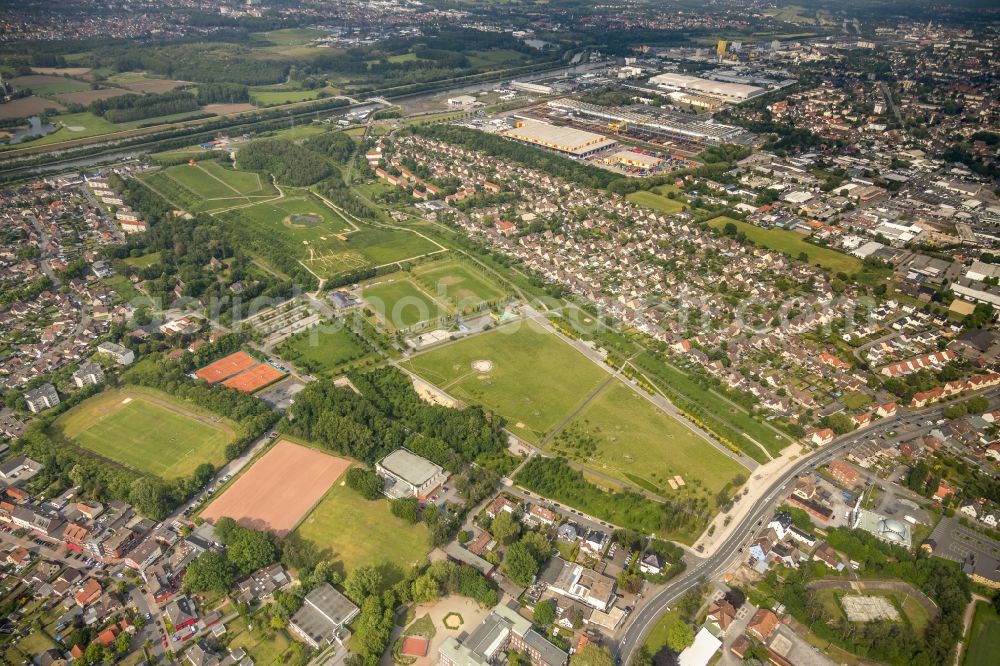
(792, 244)
(622, 434)
(401, 303)
(458, 283)
(360, 532)
(74, 126)
(207, 185)
(536, 381)
(984, 647)
(656, 202)
(152, 432)
(732, 423)
(323, 349)
(322, 244)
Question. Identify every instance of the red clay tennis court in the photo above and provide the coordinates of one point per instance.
(255, 378)
(414, 646)
(226, 366)
(279, 489)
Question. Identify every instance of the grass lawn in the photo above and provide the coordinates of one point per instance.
(144, 261)
(656, 639)
(983, 647)
(265, 645)
(359, 532)
(290, 36)
(536, 381)
(312, 233)
(655, 201)
(622, 434)
(792, 244)
(74, 126)
(149, 431)
(126, 291)
(401, 303)
(323, 349)
(458, 283)
(855, 400)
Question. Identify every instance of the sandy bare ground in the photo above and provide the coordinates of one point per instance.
(279, 489)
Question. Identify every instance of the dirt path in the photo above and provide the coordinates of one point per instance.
(970, 613)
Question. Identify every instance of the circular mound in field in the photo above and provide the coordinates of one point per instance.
(482, 365)
(302, 220)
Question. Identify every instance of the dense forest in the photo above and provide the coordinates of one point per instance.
(289, 163)
(126, 108)
(389, 414)
(223, 93)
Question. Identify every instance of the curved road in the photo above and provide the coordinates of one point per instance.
(645, 617)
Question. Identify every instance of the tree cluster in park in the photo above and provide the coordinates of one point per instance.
(204, 63)
(555, 479)
(126, 108)
(289, 163)
(389, 414)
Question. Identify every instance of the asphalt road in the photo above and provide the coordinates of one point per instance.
(645, 617)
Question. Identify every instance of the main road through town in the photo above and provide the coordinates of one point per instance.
(645, 617)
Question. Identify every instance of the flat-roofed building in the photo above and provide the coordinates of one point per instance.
(406, 474)
(585, 585)
(575, 142)
(728, 91)
(323, 613)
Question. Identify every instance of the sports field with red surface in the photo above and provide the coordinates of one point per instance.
(255, 378)
(226, 366)
(280, 488)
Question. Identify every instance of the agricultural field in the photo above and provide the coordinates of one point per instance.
(208, 186)
(26, 107)
(272, 97)
(457, 283)
(983, 647)
(656, 202)
(42, 84)
(530, 376)
(400, 303)
(622, 434)
(792, 244)
(87, 96)
(149, 431)
(357, 532)
(323, 349)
